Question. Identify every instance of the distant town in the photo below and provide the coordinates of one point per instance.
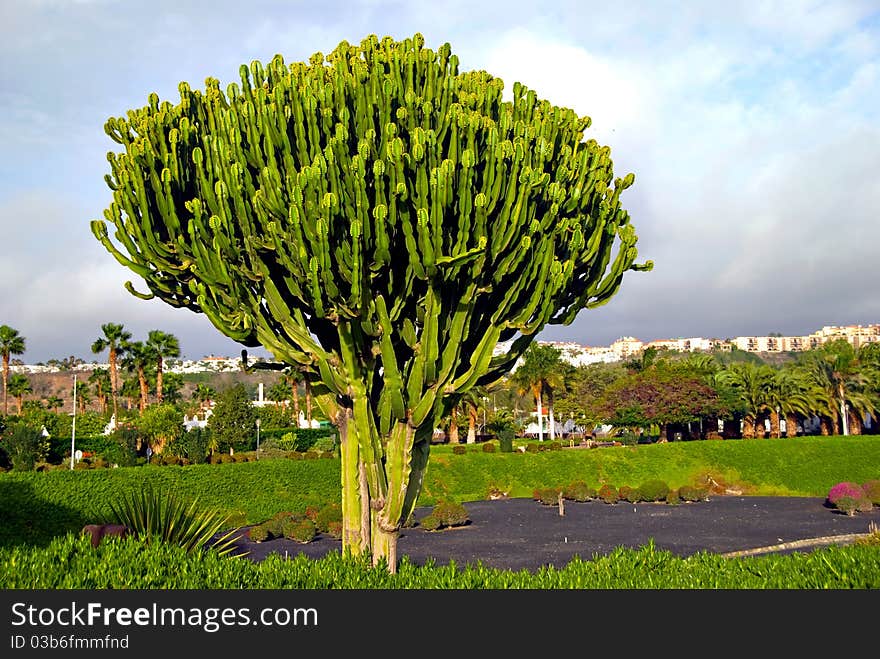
(574, 353)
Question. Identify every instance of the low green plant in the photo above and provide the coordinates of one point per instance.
(672, 497)
(488, 447)
(654, 490)
(579, 491)
(303, 531)
(631, 494)
(847, 505)
(430, 523)
(872, 491)
(459, 449)
(259, 533)
(554, 445)
(154, 516)
(328, 515)
(450, 513)
(548, 496)
(531, 447)
(608, 493)
(693, 493)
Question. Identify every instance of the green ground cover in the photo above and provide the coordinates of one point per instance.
(70, 562)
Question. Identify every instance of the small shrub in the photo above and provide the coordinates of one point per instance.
(845, 489)
(846, 504)
(259, 533)
(327, 515)
(633, 495)
(303, 531)
(488, 447)
(654, 490)
(673, 498)
(579, 491)
(505, 440)
(554, 446)
(549, 496)
(459, 449)
(325, 444)
(628, 439)
(531, 447)
(170, 460)
(24, 445)
(334, 530)
(450, 513)
(608, 493)
(312, 512)
(872, 491)
(864, 505)
(430, 523)
(692, 493)
(225, 458)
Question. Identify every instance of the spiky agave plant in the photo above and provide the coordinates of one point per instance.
(169, 518)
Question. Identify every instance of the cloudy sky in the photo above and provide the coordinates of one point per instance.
(752, 129)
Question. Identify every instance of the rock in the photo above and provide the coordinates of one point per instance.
(99, 531)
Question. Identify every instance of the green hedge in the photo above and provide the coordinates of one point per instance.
(70, 562)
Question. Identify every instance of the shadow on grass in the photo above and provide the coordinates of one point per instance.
(27, 519)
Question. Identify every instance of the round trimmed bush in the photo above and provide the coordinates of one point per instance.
(845, 489)
(654, 490)
(579, 491)
(327, 515)
(430, 523)
(302, 530)
(334, 530)
(488, 447)
(258, 533)
(459, 449)
(847, 504)
(608, 493)
(633, 494)
(549, 496)
(692, 493)
(450, 513)
(672, 497)
(872, 491)
(532, 448)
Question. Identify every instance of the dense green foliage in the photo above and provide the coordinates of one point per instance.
(233, 422)
(70, 562)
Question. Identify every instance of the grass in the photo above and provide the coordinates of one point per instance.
(35, 507)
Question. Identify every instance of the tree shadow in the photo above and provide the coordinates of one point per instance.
(28, 519)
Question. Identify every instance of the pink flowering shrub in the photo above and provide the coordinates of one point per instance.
(845, 489)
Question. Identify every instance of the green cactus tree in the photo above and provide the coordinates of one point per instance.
(378, 220)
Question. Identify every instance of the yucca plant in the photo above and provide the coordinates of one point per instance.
(169, 518)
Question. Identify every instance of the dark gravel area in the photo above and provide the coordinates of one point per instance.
(523, 534)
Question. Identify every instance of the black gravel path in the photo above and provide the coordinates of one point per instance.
(523, 534)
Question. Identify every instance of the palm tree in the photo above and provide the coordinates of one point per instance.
(163, 345)
(751, 383)
(130, 390)
(11, 343)
(54, 403)
(114, 341)
(100, 381)
(537, 373)
(83, 397)
(19, 385)
(291, 377)
(472, 401)
(835, 369)
(139, 358)
(204, 393)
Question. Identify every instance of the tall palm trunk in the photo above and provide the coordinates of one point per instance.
(294, 392)
(790, 425)
(540, 416)
(472, 425)
(748, 431)
(159, 379)
(114, 384)
(774, 424)
(855, 423)
(825, 425)
(5, 383)
(453, 427)
(552, 420)
(145, 390)
(308, 388)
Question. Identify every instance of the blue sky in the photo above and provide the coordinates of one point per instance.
(752, 130)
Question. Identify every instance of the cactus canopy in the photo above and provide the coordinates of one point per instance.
(378, 220)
